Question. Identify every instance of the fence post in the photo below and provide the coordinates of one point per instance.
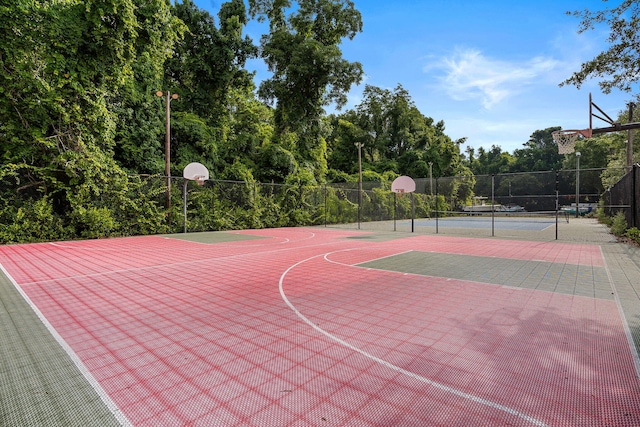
(634, 203)
(413, 211)
(557, 200)
(184, 203)
(436, 205)
(493, 204)
(324, 193)
(395, 208)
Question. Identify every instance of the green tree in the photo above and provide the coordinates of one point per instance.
(395, 136)
(614, 145)
(341, 144)
(540, 153)
(209, 61)
(618, 65)
(66, 66)
(139, 135)
(207, 71)
(489, 162)
(250, 129)
(302, 50)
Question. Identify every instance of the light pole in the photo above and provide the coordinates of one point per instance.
(359, 145)
(167, 143)
(577, 184)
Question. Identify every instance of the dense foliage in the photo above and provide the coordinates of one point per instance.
(82, 130)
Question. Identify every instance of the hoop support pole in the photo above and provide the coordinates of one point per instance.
(618, 127)
(607, 119)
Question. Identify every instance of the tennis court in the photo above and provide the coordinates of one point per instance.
(486, 222)
(319, 327)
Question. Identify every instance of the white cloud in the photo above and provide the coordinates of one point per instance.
(471, 75)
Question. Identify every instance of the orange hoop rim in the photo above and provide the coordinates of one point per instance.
(586, 133)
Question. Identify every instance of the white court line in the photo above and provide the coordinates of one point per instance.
(471, 397)
(113, 408)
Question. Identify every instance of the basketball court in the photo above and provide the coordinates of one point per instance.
(322, 327)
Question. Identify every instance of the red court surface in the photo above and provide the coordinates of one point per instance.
(288, 330)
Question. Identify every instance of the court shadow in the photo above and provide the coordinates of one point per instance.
(563, 369)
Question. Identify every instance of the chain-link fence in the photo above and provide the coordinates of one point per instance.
(32, 209)
(623, 197)
(540, 195)
(539, 191)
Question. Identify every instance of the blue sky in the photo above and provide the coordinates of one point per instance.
(489, 69)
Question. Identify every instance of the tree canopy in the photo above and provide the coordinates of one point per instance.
(619, 65)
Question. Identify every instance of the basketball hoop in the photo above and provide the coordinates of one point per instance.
(403, 184)
(566, 139)
(192, 172)
(196, 172)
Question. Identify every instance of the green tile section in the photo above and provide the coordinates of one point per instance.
(209, 237)
(546, 276)
(39, 383)
(379, 236)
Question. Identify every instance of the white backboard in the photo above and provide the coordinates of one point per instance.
(403, 184)
(196, 172)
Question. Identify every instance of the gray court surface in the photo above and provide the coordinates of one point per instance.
(544, 276)
(41, 386)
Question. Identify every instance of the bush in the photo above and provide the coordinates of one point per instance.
(93, 222)
(35, 221)
(601, 214)
(619, 225)
(633, 234)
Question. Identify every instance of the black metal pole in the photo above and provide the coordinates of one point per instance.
(184, 203)
(630, 140)
(437, 206)
(577, 184)
(412, 211)
(635, 169)
(493, 205)
(359, 145)
(395, 208)
(325, 205)
(557, 201)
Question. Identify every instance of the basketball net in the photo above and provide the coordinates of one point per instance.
(400, 192)
(199, 179)
(566, 139)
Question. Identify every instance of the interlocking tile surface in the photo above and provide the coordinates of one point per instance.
(307, 327)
